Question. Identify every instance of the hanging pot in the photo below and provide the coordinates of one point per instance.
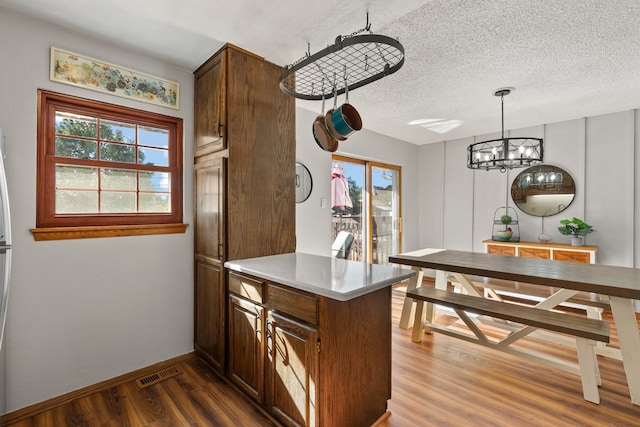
(321, 134)
(346, 120)
(322, 137)
(327, 118)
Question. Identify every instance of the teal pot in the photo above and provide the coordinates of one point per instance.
(346, 120)
(332, 131)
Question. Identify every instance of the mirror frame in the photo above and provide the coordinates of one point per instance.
(303, 176)
(542, 180)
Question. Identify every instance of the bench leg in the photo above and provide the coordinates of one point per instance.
(589, 370)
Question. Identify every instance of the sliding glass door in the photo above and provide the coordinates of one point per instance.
(365, 207)
(386, 221)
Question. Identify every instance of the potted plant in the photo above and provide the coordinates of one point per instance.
(506, 233)
(576, 228)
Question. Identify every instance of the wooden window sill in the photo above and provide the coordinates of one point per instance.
(64, 233)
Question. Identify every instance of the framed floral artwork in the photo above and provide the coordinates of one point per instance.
(89, 73)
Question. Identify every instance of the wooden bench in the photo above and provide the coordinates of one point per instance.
(528, 294)
(526, 291)
(586, 331)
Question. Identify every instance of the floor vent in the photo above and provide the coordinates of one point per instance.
(157, 377)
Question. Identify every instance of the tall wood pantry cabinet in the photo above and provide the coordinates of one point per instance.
(244, 181)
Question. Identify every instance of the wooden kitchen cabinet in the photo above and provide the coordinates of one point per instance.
(210, 294)
(244, 187)
(308, 369)
(209, 108)
(273, 359)
(246, 348)
(291, 387)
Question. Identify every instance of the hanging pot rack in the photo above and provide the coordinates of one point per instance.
(351, 62)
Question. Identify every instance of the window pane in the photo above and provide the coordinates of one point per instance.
(76, 148)
(154, 137)
(75, 125)
(347, 196)
(117, 131)
(385, 213)
(155, 202)
(76, 201)
(155, 181)
(117, 153)
(115, 202)
(117, 179)
(76, 177)
(153, 156)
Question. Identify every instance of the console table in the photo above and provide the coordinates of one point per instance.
(555, 251)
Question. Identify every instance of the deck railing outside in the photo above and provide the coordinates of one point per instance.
(382, 236)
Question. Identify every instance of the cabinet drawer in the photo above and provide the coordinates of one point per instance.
(501, 250)
(572, 256)
(534, 253)
(245, 287)
(296, 304)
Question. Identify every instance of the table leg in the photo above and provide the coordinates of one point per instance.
(627, 327)
(441, 283)
(408, 305)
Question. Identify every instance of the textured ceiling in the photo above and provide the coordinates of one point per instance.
(566, 58)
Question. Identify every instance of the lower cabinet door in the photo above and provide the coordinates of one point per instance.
(246, 348)
(525, 252)
(210, 313)
(572, 256)
(292, 371)
(501, 250)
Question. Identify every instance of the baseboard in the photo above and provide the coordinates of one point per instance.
(35, 409)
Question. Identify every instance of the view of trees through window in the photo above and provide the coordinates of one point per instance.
(121, 187)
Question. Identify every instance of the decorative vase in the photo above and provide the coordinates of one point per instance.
(576, 241)
(544, 238)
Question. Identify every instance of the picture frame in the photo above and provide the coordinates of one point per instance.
(90, 73)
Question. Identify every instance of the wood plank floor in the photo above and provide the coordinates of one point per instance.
(440, 382)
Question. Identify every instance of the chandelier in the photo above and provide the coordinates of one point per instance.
(504, 153)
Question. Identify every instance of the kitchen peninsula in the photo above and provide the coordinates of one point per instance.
(325, 356)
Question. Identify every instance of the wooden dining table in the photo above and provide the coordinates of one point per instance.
(620, 284)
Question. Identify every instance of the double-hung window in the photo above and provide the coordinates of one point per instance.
(106, 170)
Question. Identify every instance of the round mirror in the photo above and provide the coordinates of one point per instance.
(304, 183)
(543, 190)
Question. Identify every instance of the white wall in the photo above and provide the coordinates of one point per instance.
(457, 205)
(81, 311)
(313, 223)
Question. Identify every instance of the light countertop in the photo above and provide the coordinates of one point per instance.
(334, 278)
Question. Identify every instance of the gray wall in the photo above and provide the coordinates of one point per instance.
(313, 223)
(81, 311)
(457, 204)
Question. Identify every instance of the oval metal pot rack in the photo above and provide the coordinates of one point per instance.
(356, 59)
